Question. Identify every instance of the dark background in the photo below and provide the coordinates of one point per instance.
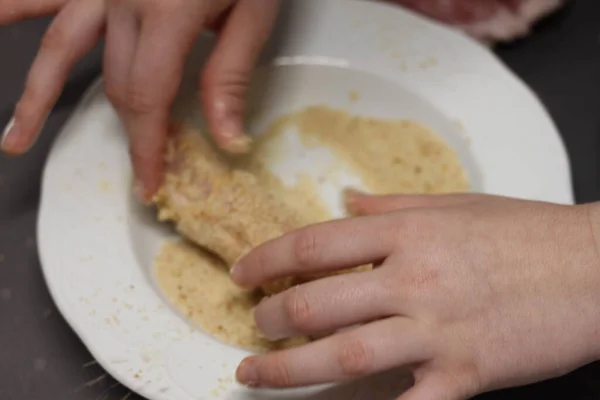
(42, 359)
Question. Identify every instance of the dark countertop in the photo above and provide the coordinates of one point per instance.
(42, 359)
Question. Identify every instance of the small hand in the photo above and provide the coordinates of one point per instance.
(17, 10)
(472, 293)
(147, 42)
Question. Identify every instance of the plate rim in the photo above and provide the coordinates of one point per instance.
(93, 90)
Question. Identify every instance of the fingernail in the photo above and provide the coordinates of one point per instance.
(349, 196)
(230, 133)
(247, 374)
(12, 138)
(6, 141)
(236, 273)
(237, 144)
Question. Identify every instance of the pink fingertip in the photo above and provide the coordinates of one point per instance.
(9, 140)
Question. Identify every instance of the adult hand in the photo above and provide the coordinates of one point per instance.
(471, 292)
(147, 42)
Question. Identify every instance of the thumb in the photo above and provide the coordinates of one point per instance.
(358, 203)
(227, 75)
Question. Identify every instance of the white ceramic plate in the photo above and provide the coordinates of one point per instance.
(97, 246)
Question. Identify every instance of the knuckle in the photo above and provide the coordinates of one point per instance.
(419, 284)
(355, 358)
(411, 230)
(298, 310)
(425, 280)
(409, 222)
(139, 100)
(275, 371)
(231, 81)
(391, 287)
(229, 93)
(114, 93)
(305, 248)
(400, 231)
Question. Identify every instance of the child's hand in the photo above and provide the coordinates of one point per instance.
(147, 42)
(471, 292)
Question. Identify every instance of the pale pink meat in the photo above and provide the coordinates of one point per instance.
(490, 21)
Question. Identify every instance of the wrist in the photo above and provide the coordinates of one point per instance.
(593, 219)
(593, 212)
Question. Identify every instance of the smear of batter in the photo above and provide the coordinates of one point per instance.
(198, 285)
(388, 155)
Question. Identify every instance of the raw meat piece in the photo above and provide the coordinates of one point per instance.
(220, 208)
(490, 21)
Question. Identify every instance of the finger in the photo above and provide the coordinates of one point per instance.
(228, 72)
(122, 33)
(433, 386)
(329, 246)
(366, 350)
(121, 43)
(165, 41)
(73, 33)
(364, 204)
(325, 305)
(16, 10)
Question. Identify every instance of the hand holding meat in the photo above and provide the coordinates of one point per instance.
(472, 293)
(147, 42)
